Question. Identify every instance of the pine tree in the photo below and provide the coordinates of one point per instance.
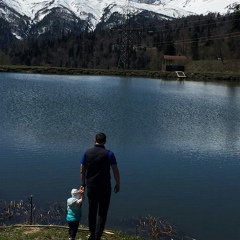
(169, 48)
(194, 47)
(236, 19)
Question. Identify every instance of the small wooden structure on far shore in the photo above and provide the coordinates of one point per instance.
(174, 64)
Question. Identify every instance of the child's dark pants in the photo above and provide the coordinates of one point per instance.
(73, 228)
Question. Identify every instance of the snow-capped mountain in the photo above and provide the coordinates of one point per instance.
(40, 15)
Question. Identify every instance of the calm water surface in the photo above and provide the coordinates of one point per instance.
(177, 145)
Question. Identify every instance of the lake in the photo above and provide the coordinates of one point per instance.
(177, 144)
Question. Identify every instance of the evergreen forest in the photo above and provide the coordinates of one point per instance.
(140, 43)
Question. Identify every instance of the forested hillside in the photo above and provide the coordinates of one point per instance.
(138, 44)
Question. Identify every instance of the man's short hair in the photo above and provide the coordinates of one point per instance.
(100, 138)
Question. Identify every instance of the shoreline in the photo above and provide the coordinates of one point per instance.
(193, 76)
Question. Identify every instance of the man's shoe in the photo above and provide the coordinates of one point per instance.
(97, 238)
(91, 237)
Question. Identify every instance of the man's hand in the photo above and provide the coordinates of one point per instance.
(116, 177)
(117, 188)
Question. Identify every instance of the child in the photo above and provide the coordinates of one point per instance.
(74, 212)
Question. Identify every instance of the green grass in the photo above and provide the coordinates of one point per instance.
(210, 70)
(52, 233)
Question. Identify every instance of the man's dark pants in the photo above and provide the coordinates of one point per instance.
(99, 200)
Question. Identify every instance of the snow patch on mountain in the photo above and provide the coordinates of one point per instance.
(38, 9)
(205, 6)
(33, 11)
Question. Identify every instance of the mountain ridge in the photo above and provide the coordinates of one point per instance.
(23, 15)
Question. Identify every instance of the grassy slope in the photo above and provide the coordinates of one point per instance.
(217, 66)
(51, 232)
(199, 70)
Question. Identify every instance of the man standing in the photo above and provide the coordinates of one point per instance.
(95, 170)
